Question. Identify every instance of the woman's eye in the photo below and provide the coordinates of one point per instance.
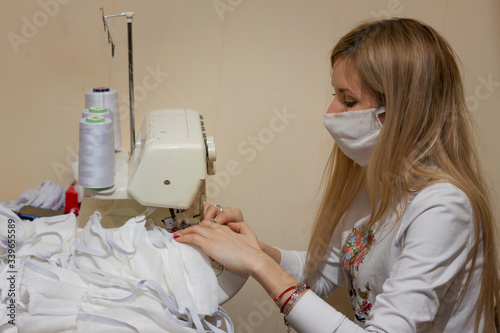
(349, 104)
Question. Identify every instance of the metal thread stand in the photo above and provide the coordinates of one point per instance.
(129, 16)
(131, 84)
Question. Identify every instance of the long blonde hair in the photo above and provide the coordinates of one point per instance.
(426, 139)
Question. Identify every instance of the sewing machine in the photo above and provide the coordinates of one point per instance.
(167, 170)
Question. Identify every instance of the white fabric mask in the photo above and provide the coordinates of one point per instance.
(184, 271)
(355, 132)
(45, 238)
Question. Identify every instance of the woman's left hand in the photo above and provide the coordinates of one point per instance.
(221, 215)
(233, 245)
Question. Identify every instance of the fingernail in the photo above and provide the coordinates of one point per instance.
(177, 236)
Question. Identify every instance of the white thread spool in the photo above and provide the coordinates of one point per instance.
(106, 98)
(97, 111)
(96, 155)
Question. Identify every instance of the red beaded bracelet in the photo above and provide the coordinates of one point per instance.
(293, 298)
(286, 302)
(281, 295)
(300, 287)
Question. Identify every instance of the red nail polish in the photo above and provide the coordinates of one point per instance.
(176, 236)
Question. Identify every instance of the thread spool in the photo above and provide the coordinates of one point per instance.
(96, 155)
(106, 98)
(97, 111)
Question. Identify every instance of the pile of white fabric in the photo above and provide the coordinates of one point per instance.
(136, 278)
(47, 195)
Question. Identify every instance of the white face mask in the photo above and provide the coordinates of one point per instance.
(355, 132)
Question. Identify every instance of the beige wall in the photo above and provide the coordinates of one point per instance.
(240, 63)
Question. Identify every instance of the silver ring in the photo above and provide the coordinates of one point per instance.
(214, 220)
(219, 208)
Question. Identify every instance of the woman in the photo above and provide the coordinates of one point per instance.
(405, 220)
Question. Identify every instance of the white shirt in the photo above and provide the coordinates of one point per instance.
(402, 278)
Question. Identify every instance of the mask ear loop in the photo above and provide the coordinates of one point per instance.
(380, 110)
(377, 113)
(104, 320)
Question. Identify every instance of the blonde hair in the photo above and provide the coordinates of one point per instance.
(426, 139)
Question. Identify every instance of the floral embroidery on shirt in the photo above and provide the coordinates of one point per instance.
(354, 251)
(364, 309)
(355, 248)
(364, 306)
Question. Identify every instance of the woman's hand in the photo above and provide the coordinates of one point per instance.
(233, 245)
(222, 215)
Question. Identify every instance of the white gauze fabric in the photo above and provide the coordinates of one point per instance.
(47, 195)
(102, 280)
(132, 251)
(56, 299)
(47, 238)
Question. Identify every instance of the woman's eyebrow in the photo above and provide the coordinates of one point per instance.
(346, 90)
(343, 90)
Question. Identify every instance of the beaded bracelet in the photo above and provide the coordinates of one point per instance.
(283, 293)
(288, 305)
(299, 285)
